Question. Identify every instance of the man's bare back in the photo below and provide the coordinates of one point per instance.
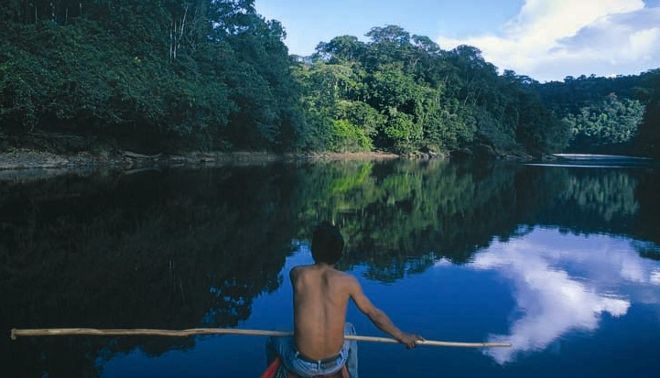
(321, 295)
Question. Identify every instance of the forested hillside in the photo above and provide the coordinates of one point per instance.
(618, 114)
(401, 92)
(181, 75)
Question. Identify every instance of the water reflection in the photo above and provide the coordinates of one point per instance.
(565, 283)
(157, 250)
(180, 248)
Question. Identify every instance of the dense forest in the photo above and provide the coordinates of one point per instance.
(619, 114)
(182, 74)
(177, 75)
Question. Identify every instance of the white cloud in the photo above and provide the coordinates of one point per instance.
(443, 261)
(550, 39)
(655, 277)
(565, 283)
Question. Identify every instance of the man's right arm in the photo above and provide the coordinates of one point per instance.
(378, 317)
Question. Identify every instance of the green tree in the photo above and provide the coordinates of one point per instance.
(158, 74)
(610, 121)
(648, 140)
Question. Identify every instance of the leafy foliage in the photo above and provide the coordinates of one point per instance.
(203, 73)
(606, 114)
(609, 121)
(420, 97)
(648, 140)
(214, 74)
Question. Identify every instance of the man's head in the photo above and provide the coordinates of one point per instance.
(327, 244)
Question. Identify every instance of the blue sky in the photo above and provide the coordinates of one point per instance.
(545, 39)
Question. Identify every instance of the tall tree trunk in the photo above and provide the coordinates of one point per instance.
(172, 39)
(177, 32)
(174, 42)
(183, 24)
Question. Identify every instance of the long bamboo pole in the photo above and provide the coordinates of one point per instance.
(220, 331)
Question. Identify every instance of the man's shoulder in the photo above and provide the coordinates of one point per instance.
(336, 274)
(343, 274)
(300, 268)
(344, 277)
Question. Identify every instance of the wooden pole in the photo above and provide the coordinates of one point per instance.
(220, 331)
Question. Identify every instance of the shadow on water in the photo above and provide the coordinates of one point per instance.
(188, 248)
(170, 250)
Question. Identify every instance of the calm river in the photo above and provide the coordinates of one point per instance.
(563, 262)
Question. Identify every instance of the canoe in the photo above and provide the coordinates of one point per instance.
(272, 369)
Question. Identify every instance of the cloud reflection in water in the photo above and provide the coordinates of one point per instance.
(564, 283)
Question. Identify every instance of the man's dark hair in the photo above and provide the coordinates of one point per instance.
(327, 243)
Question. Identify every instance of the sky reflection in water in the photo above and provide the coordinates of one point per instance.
(562, 262)
(564, 283)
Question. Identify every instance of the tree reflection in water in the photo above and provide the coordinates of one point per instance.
(187, 248)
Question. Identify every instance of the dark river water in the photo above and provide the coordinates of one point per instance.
(563, 262)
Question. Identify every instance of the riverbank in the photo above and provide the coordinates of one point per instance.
(28, 159)
(19, 164)
(50, 153)
(29, 163)
(18, 159)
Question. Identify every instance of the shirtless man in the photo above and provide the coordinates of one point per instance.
(320, 298)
